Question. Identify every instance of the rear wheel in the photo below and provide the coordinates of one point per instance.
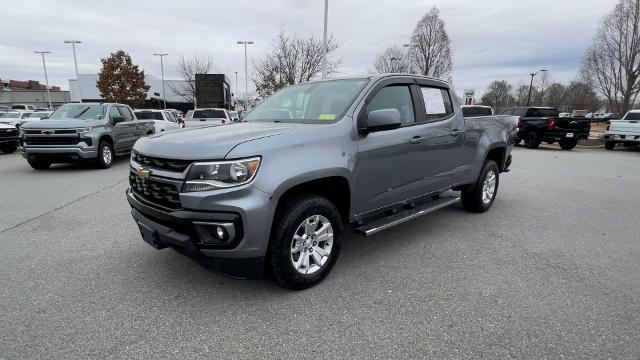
(568, 144)
(9, 149)
(480, 198)
(609, 145)
(105, 155)
(305, 242)
(39, 163)
(531, 140)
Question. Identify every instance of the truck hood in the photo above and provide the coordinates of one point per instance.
(61, 124)
(211, 142)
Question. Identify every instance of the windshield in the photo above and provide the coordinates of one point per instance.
(632, 116)
(316, 102)
(149, 115)
(209, 114)
(79, 111)
(476, 111)
(10, 115)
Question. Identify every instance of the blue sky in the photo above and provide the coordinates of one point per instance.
(491, 39)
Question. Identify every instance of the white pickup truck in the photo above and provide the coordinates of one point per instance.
(625, 131)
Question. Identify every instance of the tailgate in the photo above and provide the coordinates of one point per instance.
(573, 124)
(625, 126)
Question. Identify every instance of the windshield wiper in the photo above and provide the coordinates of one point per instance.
(81, 112)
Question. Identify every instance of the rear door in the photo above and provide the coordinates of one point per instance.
(131, 125)
(121, 130)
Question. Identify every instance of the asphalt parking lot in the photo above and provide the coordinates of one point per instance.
(552, 271)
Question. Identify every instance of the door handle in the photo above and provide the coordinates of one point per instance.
(416, 139)
(455, 132)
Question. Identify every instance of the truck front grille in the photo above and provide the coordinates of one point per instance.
(160, 163)
(10, 133)
(46, 140)
(154, 191)
(49, 131)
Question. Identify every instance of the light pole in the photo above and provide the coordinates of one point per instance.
(75, 63)
(409, 67)
(164, 96)
(246, 76)
(392, 60)
(533, 74)
(324, 40)
(46, 77)
(236, 83)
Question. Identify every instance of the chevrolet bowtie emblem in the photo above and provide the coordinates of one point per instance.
(143, 173)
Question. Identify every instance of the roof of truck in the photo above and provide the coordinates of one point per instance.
(376, 77)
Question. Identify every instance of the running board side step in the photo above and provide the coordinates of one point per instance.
(404, 216)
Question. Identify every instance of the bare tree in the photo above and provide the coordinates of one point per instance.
(520, 95)
(292, 59)
(555, 96)
(499, 96)
(188, 68)
(430, 46)
(581, 96)
(391, 60)
(542, 84)
(612, 64)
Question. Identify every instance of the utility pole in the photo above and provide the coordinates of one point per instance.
(236, 83)
(164, 95)
(46, 77)
(75, 63)
(533, 74)
(325, 48)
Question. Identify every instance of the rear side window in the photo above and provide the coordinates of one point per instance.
(632, 116)
(209, 114)
(437, 103)
(394, 97)
(149, 115)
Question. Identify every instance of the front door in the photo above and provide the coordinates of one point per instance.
(389, 167)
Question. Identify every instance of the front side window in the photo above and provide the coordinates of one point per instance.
(113, 113)
(126, 113)
(437, 103)
(394, 97)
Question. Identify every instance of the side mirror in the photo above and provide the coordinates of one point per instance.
(383, 119)
(117, 119)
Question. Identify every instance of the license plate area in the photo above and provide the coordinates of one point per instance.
(150, 236)
(569, 135)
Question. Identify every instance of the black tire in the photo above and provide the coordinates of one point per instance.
(38, 163)
(568, 144)
(105, 155)
(609, 145)
(288, 221)
(517, 142)
(472, 198)
(9, 149)
(531, 140)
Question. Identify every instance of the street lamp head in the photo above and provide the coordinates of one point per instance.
(160, 54)
(245, 42)
(543, 69)
(406, 45)
(73, 42)
(42, 52)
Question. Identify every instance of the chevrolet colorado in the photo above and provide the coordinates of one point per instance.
(273, 192)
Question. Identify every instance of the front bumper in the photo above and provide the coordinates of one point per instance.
(9, 141)
(70, 153)
(179, 229)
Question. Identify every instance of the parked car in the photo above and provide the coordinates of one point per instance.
(537, 124)
(34, 116)
(8, 138)
(276, 189)
(208, 116)
(476, 110)
(23, 107)
(235, 117)
(625, 131)
(13, 117)
(86, 131)
(162, 119)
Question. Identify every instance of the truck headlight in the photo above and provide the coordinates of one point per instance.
(85, 131)
(204, 176)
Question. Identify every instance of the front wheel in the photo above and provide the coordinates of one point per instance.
(609, 145)
(9, 149)
(480, 198)
(568, 144)
(305, 242)
(105, 155)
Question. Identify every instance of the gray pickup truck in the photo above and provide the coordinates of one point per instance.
(87, 131)
(273, 192)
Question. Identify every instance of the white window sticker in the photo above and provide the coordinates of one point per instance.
(433, 101)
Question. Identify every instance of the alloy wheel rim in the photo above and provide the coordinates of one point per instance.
(106, 155)
(311, 244)
(489, 187)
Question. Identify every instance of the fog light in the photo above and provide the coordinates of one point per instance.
(220, 232)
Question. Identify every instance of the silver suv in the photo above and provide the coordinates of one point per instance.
(87, 131)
